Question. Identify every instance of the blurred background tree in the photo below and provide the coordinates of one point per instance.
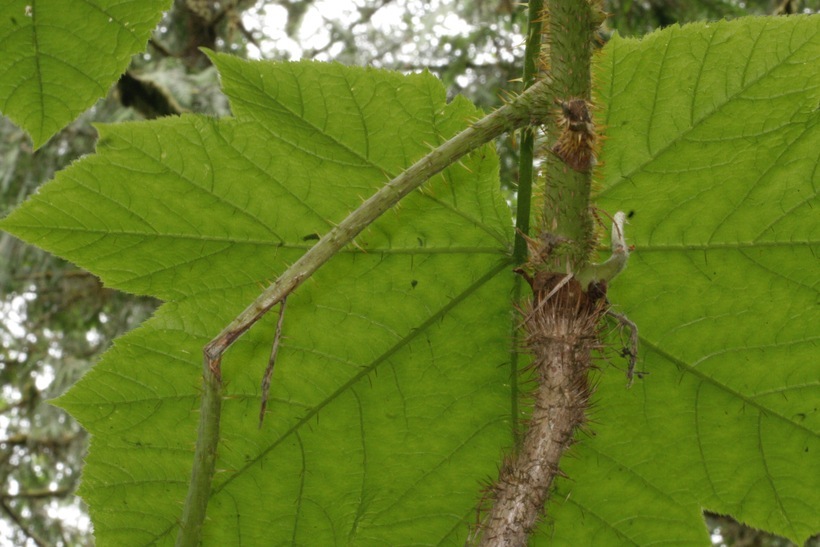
(55, 319)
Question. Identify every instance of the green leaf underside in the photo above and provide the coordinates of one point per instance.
(390, 400)
(59, 56)
(388, 405)
(712, 142)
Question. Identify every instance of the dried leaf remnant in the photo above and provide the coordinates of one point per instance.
(577, 140)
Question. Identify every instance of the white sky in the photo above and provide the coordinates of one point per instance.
(272, 18)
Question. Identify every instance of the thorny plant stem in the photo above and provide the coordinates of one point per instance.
(561, 331)
(570, 36)
(524, 197)
(561, 326)
(562, 321)
(531, 107)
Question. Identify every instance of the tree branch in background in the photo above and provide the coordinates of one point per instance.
(16, 519)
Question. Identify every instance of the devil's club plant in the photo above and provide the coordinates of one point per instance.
(392, 398)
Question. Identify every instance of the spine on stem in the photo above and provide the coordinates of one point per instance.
(570, 28)
(561, 322)
(561, 331)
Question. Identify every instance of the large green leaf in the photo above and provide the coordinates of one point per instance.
(389, 401)
(391, 394)
(713, 134)
(59, 56)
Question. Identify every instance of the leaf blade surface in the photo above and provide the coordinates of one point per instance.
(710, 130)
(364, 440)
(59, 56)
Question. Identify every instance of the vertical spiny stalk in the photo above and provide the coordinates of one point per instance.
(561, 333)
(561, 323)
(570, 31)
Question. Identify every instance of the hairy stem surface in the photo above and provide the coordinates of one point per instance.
(561, 332)
(561, 322)
(570, 27)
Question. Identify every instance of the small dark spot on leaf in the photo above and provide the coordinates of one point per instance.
(311, 237)
(13, 20)
(630, 214)
(421, 241)
(414, 283)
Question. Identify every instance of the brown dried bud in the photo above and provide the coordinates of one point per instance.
(576, 143)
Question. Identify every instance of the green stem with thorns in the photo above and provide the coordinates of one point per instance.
(571, 29)
(561, 322)
(531, 107)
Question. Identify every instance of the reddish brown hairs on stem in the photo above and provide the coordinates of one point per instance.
(561, 327)
(577, 141)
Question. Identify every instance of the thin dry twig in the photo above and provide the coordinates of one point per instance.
(269, 370)
(631, 351)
